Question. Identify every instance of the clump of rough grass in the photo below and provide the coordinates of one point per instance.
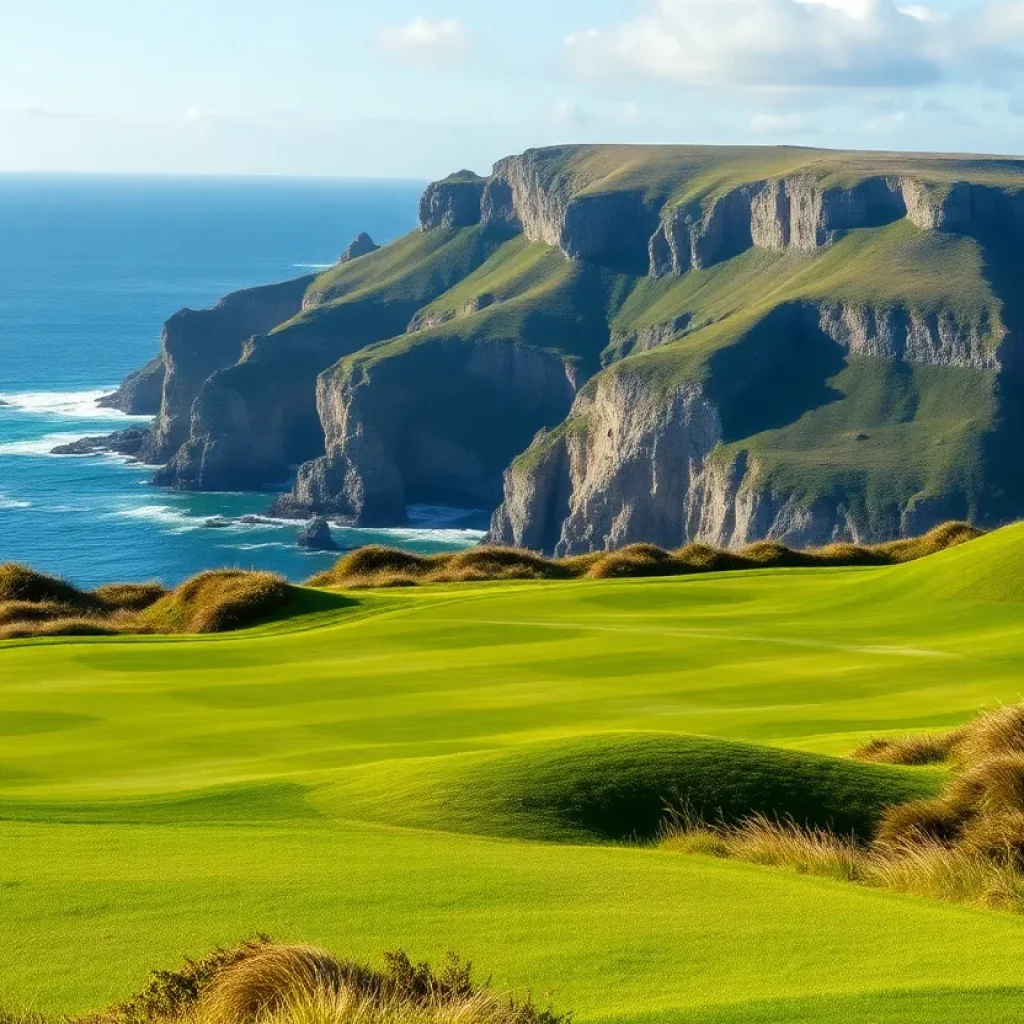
(260, 982)
(217, 602)
(965, 844)
(920, 867)
(387, 567)
(35, 605)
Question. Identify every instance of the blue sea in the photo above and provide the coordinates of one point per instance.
(90, 267)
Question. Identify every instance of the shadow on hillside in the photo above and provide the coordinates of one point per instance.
(776, 373)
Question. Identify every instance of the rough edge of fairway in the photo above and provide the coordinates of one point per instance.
(379, 567)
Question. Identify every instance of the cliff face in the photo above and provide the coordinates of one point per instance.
(636, 463)
(452, 203)
(797, 213)
(198, 343)
(611, 227)
(430, 423)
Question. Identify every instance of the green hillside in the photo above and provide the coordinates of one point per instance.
(481, 766)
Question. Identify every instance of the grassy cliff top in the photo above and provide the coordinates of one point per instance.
(681, 173)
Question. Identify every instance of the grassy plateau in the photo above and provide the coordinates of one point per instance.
(485, 767)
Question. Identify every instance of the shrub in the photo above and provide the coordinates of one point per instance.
(260, 982)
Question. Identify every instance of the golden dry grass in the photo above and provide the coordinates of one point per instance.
(965, 845)
(376, 567)
(260, 982)
(35, 605)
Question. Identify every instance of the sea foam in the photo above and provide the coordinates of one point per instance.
(79, 405)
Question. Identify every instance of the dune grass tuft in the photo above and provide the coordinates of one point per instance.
(965, 845)
(374, 567)
(261, 982)
(35, 605)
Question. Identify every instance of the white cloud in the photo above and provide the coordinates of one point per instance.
(804, 43)
(923, 13)
(428, 42)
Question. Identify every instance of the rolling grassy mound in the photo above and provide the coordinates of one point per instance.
(619, 787)
(446, 766)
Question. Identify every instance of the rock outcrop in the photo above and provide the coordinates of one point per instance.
(316, 536)
(452, 203)
(361, 245)
(140, 393)
(130, 443)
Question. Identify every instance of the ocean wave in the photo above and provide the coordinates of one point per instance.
(456, 538)
(10, 504)
(314, 266)
(256, 547)
(39, 446)
(166, 514)
(80, 405)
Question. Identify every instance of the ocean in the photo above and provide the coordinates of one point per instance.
(90, 267)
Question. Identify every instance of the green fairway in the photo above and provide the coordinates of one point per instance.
(478, 767)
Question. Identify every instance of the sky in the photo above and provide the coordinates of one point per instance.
(417, 88)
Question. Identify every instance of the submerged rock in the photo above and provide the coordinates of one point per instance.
(316, 536)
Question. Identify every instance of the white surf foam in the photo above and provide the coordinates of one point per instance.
(165, 514)
(257, 547)
(39, 446)
(461, 538)
(79, 405)
(12, 503)
(314, 266)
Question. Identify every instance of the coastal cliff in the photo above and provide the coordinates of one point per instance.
(638, 462)
(197, 343)
(617, 344)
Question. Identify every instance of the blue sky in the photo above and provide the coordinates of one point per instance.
(416, 89)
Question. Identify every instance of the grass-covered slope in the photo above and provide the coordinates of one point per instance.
(620, 787)
(454, 766)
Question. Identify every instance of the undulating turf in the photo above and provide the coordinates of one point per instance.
(464, 766)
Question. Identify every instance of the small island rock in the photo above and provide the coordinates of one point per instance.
(316, 536)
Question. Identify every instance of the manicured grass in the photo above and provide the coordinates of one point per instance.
(456, 766)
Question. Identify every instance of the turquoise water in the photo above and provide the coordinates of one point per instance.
(90, 267)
